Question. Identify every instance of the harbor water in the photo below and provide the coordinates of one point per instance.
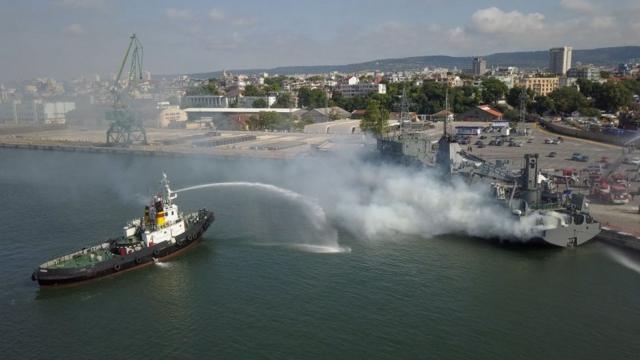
(261, 286)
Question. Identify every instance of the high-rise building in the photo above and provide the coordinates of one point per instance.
(479, 66)
(560, 60)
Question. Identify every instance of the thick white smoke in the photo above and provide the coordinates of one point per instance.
(380, 201)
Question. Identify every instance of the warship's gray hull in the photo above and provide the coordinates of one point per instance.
(571, 235)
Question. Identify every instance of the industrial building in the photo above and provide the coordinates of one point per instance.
(230, 118)
(205, 101)
(35, 112)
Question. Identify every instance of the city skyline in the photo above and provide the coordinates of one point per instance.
(69, 38)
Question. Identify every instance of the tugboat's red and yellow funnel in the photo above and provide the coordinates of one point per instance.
(160, 218)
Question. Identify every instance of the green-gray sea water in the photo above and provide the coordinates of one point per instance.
(246, 292)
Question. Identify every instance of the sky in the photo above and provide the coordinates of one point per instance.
(67, 39)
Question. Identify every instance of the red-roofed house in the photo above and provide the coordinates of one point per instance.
(480, 113)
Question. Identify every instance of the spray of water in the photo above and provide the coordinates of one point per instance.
(315, 213)
(163, 265)
(623, 259)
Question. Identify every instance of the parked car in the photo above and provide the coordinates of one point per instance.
(552, 154)
(579, 157)
(483, 137)
(632, 161)
(478, 143)
(480, 146)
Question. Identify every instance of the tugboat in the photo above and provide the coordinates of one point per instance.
(162, 232)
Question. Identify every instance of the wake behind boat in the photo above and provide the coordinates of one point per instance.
(162, 231)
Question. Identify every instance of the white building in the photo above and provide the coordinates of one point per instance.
(560, 60)
(352, 81)
(35, 112)
(56, 112)
(206, 101)
(171, 116)
(247, 101)
(361, 89)
(509, 80)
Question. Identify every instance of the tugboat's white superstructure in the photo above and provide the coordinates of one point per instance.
(162, 220)
(162, 231)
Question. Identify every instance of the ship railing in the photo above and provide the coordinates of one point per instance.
(86, 251)
(549, 206)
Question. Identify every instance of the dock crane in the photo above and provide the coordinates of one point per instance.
(125, 129)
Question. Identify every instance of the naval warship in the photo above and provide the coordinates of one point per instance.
(162, 232)
(551, 217)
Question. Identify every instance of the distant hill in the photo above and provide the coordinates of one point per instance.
(523, 59)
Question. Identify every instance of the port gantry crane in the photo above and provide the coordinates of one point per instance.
(125, 129)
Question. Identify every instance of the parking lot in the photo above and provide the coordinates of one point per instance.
(624, 217)
(535, 143)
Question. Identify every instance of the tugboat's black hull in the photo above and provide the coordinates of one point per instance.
(138, 259)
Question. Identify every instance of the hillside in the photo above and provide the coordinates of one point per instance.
(523, 59)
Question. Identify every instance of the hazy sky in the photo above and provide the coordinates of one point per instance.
(69, 38)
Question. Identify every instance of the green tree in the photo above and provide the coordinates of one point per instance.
(312, 98)
(493, 90)
(612, 96)
(268, 120)
(274, 84)
(513, 97)
(208, 88)
(300, 124)
(568, 100)
(587, 87)
(543, 105)
(633, 85)
(252, 90)
(511, 114)
(349, 104)
(589, 111)
(284, 101)
(260, 103)
(376, 119)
